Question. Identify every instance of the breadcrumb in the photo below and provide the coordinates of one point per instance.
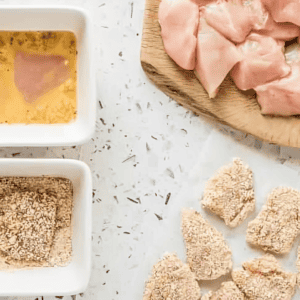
(228, 291)
(27, 225)
(277, 225)
(208, 254)
(172, 280)
(230, 194)
(263, 279)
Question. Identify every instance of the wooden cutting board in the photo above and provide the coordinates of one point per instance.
(231, 107)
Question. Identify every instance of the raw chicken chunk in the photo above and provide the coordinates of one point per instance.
(230, 194)
(37, 74)
(228, 291)
(282, 97)
(172, 280)
(208, 254)
(263, 61)
(263, 279)
(277, 225)
(179, 20)
(284, 10)
(279, 31)
(202, 2)
(222, 16)
(215, 57)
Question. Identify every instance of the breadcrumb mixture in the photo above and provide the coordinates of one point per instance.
(228, 291)
(172, 280)
(277, 225)
(298, 266)
(263, 279)
(208, 254)
(35, 221)
(230, 194)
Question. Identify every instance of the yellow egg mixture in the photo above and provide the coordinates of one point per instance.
(57, 105)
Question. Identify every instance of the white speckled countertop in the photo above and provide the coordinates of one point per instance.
(144, 147)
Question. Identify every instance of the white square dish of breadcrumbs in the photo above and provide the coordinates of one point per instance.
(45, 227)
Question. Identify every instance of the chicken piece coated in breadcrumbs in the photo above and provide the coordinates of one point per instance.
(230, 194)
(277, 225)
(172, 280)
(298, 266)
(263, 279)
(228, 291)
(208, 254)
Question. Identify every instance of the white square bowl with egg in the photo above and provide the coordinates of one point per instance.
(46, 18)
(55, 281)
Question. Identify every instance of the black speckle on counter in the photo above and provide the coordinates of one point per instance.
(131, 9)
(134, 201)
(128, 158)
(158, 217)
(170, 173)
(168, 198)
(102, 121)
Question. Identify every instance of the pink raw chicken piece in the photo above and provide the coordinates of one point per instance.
(215, 57)
(280, 31)
(202, 2)
(235, 18)
(284, 10)
(37, 74)
(282, 97)
(179, 21)
(263, 61)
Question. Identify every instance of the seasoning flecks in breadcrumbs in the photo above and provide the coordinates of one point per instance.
(208, 254)
(263, 279)
(172, 280)
(27, 225)
(277, 225)
(230, 193)
(228, 291)
(35, 221)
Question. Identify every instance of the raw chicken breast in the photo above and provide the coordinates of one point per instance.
(37, 74)
(215, 57)
(179, 20)
(263, 61)
(282, 97)
(280, 31)
(284, 10)
(235, 18)
(202, 2)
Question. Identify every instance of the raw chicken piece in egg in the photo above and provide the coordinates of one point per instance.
(263, 61)
(37, 74)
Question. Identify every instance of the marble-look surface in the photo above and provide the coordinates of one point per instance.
(143, 149)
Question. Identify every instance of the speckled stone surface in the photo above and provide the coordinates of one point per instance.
(144, 147)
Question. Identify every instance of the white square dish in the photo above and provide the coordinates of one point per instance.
(57, 281)
(59, 18)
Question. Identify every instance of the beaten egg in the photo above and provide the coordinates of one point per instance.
(37, 77)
